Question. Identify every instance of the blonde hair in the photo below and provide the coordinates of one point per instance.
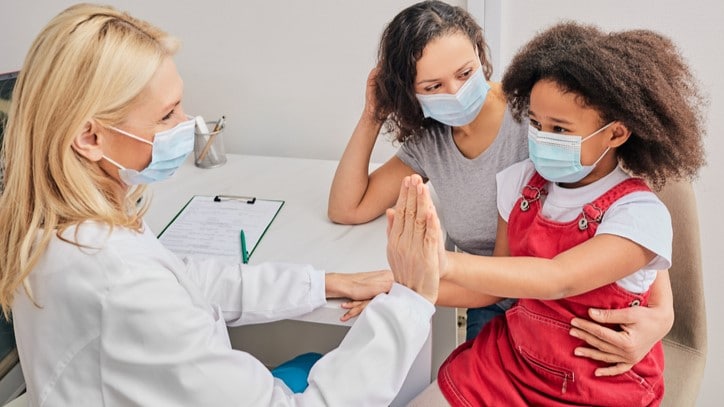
(89, 62)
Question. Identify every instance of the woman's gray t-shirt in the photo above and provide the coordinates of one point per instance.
(466, 188)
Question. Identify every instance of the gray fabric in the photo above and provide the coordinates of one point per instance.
(466, 187)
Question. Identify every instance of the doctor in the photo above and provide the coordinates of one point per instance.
(103, 313)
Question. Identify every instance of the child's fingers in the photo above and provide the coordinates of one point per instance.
(351, 304)
(354, 309)
(390, 214)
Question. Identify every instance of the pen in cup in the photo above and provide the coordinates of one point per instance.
(244, 253)
(217, 128)
(219, 124)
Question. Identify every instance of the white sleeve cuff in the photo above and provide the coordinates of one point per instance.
(317, 288)
(423, 308)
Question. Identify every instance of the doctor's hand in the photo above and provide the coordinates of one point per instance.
(414, 244)
(358, 286)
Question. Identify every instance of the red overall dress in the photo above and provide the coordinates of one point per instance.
(526, 357)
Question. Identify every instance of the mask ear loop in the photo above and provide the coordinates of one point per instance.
(120, 167)
(597, 131)
(125, 133)
(601, 157)
(607, 148)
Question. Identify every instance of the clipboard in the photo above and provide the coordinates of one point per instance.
(223, 226)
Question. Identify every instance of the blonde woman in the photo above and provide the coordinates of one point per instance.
(103, 313)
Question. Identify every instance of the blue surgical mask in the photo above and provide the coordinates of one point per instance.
(557, 157)
(169, 151)
(462, 107)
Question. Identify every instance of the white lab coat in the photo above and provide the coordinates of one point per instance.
(124, 322)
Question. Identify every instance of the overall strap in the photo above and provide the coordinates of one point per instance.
(594, 211)
(532, 191)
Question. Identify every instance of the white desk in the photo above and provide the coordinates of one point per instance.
(301, 233)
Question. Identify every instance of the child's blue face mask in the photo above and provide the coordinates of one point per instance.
(557, 157)
(462, 107)
(170, 149)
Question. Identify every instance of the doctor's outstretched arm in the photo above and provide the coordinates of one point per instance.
(184, 358)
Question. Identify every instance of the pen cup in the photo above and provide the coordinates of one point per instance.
(209, 147)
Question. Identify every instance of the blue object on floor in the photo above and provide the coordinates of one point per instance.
(294, 373)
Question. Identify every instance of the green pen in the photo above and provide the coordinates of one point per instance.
(244, 253)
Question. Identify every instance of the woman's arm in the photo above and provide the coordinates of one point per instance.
(356, 196)
(641, 329)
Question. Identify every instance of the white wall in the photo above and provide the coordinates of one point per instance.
(289, 75)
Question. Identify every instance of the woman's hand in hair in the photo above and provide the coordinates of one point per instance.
(370, 110)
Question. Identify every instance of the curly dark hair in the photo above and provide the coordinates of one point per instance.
(637, 77)
(401, 47)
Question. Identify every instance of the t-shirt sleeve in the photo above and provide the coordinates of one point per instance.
(412, 154)
(642, 218)
(510, 184)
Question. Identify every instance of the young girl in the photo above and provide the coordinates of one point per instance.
(429, 54)
(607, 111)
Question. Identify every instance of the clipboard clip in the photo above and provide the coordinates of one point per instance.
(247, 199)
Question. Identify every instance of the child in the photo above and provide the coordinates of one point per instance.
(606, 112)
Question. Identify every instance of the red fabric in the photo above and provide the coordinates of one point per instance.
(526, 357)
